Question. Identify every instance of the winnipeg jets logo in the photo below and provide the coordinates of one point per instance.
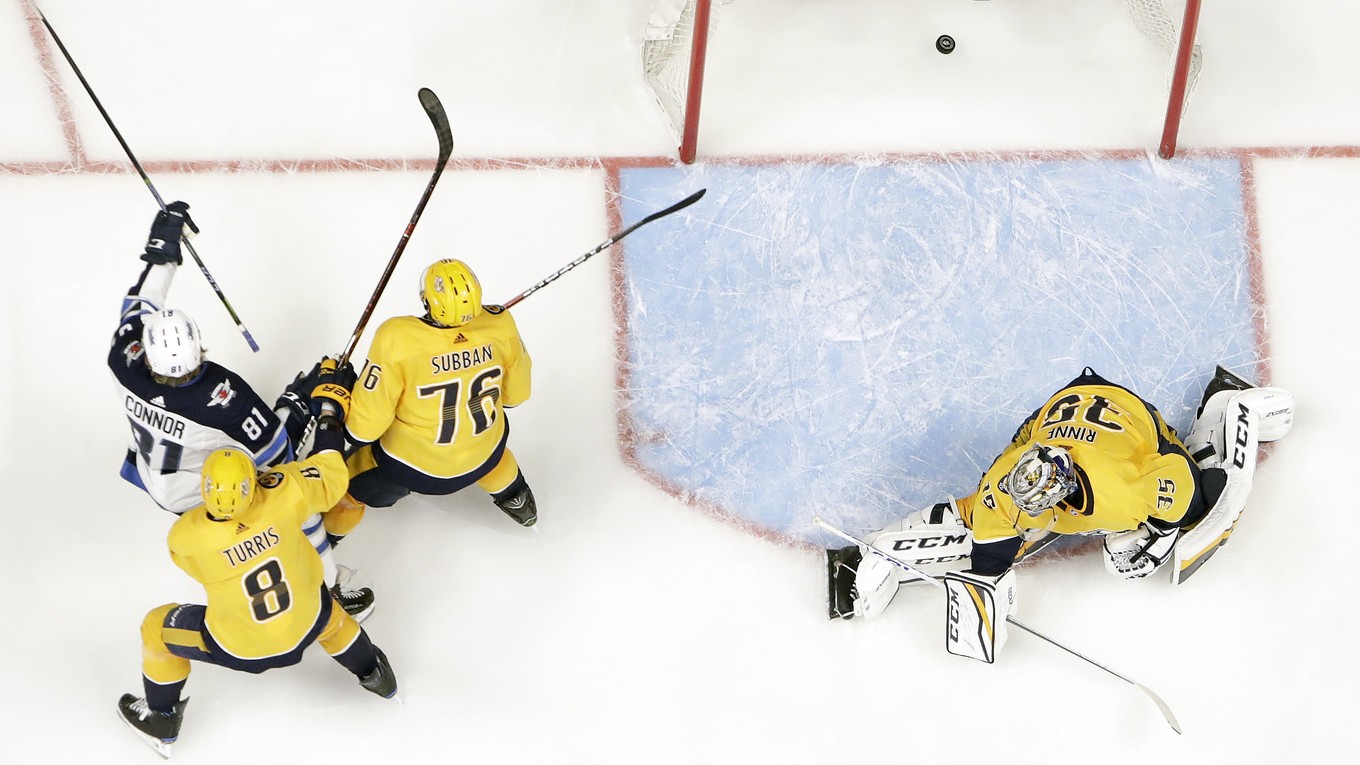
(222, 394)
(132, 352)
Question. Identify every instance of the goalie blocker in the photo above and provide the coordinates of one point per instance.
(975, 625)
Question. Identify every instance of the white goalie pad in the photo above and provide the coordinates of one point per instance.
(1274, 408)
(1239, 464)
(933, 540)
(975, 625)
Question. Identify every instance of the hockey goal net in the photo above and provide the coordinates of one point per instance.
(675, 47)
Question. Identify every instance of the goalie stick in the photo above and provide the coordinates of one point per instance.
(1161, 705)
(435, 111)
(606, 244)
(145, 178)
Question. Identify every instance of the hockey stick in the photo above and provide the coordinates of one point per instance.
(440, 120)
(606, 244)
(126, 149)
(1161, 705)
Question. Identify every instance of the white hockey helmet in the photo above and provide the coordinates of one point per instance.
(171, 341)
(1042, 477)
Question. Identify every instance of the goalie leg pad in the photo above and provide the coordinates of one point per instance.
(1274, 408)
(1203, 540)
(933, 540)
(975, 625)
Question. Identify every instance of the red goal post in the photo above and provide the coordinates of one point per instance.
(675, 49)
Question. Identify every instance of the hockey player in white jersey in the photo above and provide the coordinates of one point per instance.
(181, 407)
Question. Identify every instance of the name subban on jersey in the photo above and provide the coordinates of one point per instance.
(453, 362)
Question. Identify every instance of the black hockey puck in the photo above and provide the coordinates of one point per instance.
(944, 44)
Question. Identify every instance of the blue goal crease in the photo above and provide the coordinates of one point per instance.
(857, 341)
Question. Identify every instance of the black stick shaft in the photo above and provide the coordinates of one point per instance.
(435, 110)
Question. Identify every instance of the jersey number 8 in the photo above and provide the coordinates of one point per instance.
(268, 590)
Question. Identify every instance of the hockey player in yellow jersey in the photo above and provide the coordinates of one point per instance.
(1094, 459)
(429, 405)
(266, 597)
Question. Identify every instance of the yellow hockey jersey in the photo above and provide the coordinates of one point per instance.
(433, 397)
(262, 575)
(1130, 466)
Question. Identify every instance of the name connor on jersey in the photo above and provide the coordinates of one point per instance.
(156, 418)
(459, 360)
(248, 548)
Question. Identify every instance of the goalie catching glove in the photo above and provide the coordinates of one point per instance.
(1137, 553)
(978, 605)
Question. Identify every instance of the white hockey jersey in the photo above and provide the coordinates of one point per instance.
(175, 428)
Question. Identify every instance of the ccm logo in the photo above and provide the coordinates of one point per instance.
(928, 542)
(954, 616)
(1240, 453)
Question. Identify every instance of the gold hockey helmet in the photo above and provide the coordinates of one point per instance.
(1042, 477)
(228, 483)
(451, 293)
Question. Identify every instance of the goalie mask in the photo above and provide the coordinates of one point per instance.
(171, 340)
(228, 483)
(451, 293)
(1041, 478)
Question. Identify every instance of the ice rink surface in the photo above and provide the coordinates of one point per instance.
(646, 619)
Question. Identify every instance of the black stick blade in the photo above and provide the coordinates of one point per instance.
(677, 207)
(430, 102)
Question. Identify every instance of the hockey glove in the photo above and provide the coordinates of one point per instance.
(294, 405)
(162, 246)
(975, 626)
(1137, 553)
(333, 386)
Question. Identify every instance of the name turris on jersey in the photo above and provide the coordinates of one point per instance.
(246, 549)
(157, 418)
(459, 360)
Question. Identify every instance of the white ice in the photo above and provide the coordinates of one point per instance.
(630, 626)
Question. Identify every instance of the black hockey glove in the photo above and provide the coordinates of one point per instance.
(294, 405)
(162, 246)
